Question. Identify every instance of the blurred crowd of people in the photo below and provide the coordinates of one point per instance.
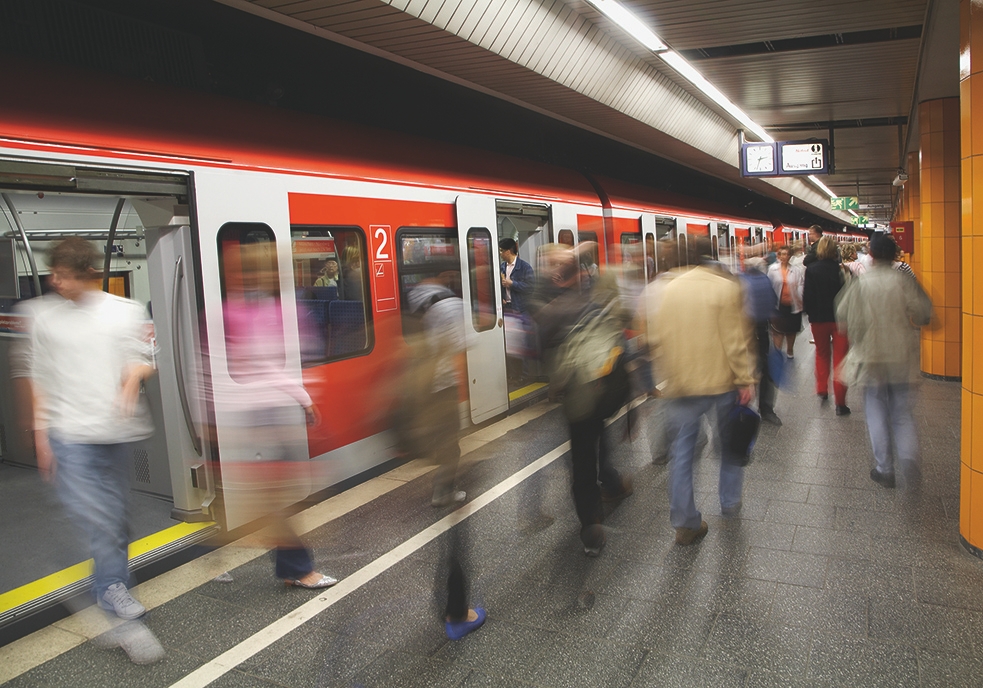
(695, 336)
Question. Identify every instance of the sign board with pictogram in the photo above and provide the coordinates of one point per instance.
(844, 203)
(784, 158)
(803, 157)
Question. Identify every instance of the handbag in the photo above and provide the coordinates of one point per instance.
(739, 434)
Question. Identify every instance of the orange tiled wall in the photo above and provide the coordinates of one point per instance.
(939, 244)
(971, 125)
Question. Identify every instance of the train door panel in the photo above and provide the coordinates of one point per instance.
(173, 286)
(649, 246)
(487, 385)
(564, 226)
(253, 357)
(591, 228)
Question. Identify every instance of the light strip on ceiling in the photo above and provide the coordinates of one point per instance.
(687, 71)
(815, 180)
(641, 33)
(630, 23)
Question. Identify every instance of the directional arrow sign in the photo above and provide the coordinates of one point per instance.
(845, 203)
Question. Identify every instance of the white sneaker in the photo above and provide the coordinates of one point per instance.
(140, 645)
(451, 497)
(118, 600)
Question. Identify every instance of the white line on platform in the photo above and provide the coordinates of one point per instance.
(278, 629)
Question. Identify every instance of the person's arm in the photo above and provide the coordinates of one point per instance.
(522, 278)
(809, 292)
(137, 353)
(918, 304)
(735, 332)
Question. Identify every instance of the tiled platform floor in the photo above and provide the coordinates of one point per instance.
(825, 579)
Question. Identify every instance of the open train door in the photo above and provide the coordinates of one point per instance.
(482, 293)
(174, 292)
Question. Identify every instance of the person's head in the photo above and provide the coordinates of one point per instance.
(330, 269)
(668, 253)
(352, 257)
(849, 252)
(883, 248)
(508, 249)
(815, 233)
(782, 254)
(564, 268)
(826, 249)
(697, 249)
(755, 264)
(73, 262)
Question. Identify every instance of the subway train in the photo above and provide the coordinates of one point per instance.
(174, 185)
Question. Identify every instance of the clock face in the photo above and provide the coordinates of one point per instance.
(760, 158)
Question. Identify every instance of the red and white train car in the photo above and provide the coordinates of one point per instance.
(196, 178)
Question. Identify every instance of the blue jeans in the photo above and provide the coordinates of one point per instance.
(684, 417)
(93, 483)
(889, 419)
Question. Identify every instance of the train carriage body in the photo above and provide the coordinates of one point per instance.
(197, 179)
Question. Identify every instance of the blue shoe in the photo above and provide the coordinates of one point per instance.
(458, 629)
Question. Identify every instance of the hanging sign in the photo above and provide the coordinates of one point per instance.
(784, 158)
(844, 203)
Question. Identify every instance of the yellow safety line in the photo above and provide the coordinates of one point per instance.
(528, 389)
(73, 574)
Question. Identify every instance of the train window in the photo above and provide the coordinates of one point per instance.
(426, 254)
(482, 271)
(565, 237)
(330, 284)
(250, 282)
(665, 228)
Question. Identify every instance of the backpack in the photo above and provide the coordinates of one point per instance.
(409, 419)
(590, 366)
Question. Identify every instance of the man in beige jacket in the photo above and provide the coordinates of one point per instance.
(701, 340)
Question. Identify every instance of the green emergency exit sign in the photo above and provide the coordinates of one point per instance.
(860, 220)
(845, 203)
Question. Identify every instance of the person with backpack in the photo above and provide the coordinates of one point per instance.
(436, 342)
(702, 344)
(585, 344)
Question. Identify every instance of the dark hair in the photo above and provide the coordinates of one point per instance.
(508, 244)
(75, 254)
(817, 229)
(698, 248)
(883, 246)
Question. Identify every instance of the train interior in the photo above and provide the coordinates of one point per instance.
(43, 560)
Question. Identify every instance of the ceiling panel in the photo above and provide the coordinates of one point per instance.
(686, 24)
(561, 56)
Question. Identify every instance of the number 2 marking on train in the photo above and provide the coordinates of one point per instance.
(383, 239)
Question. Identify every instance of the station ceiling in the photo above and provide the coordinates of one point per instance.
(539, 74)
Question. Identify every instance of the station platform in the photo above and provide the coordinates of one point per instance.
(824, 579)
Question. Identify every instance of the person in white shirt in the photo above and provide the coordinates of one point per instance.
(85, 361)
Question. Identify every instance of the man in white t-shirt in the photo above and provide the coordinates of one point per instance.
(85, 361)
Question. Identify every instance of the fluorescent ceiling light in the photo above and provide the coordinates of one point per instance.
(630, 23)
(641, 33)
(815, 180)
(687, 71)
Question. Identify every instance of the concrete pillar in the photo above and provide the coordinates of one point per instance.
(971, 124)
(940, 249)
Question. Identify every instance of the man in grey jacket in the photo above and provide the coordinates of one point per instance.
(881, 312)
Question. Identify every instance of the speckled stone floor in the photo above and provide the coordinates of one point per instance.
(825, 579)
